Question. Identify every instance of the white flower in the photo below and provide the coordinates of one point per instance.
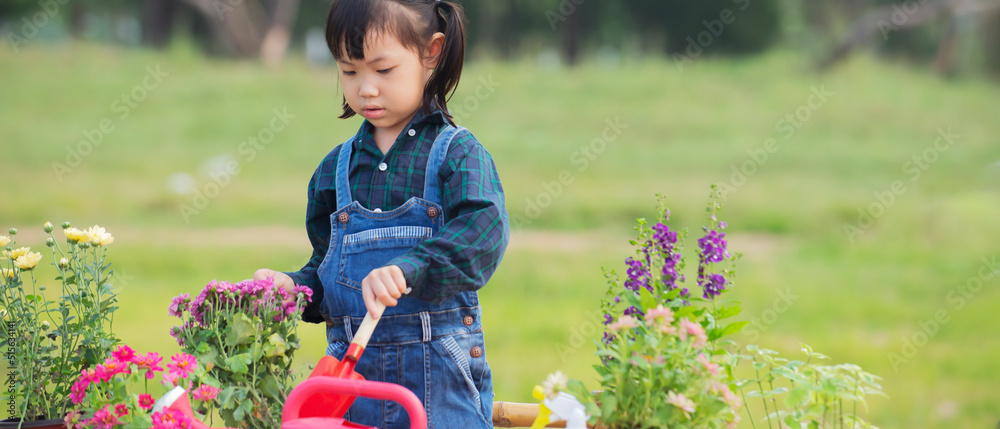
(99, 237)
(555, 383)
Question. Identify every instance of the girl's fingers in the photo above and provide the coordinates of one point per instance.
(369, 297)
(397, 276)
(379, 289)
(390, 282)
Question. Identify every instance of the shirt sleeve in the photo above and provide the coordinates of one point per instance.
(468, 248)
(318, 229)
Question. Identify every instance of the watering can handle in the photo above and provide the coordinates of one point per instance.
(364, 332)
(367, 389)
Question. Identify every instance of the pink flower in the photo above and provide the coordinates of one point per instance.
(661, 318)
(177, 333)
(204, 393)
(71, 419)
(182, 365)
(713, 368)
(682, 402)
(123, 354)
(178, 305)
(170, 379)
(78, 391)
(111, 368)
(104, 419)
(171, 419)
(149, 362)
(695, 330)
(121, 410)
(146, 401)
(624, 322)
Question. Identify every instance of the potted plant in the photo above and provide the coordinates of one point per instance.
(245, 336)
(667, 359)
(50, 336)
(106, 396)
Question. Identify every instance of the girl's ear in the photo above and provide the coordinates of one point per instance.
(434, 50)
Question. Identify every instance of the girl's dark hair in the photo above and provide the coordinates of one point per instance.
(413, 22)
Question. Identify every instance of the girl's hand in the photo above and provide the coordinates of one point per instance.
(386, 284)
(280, 279)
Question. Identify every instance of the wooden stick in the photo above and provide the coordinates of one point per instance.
(368, 325)
(518, 415)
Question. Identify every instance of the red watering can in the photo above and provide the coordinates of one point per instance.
(314, 386)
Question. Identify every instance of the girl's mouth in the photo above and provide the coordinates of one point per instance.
(374, 113)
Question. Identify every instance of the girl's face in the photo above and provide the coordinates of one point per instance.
(387, 86)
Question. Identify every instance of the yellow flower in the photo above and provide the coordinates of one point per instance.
(4, 240)
(99, 237)
(8, 273)
(28, 261)
(75, 235)
(16, 253)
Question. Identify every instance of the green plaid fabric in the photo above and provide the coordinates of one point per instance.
(466, 251)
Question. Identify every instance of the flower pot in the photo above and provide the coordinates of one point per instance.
(32, 424)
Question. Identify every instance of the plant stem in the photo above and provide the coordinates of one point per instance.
(761, 390)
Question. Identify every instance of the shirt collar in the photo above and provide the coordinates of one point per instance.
(424, 117)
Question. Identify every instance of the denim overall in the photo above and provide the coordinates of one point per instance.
(435, 350)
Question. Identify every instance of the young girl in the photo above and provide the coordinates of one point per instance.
(409, 212)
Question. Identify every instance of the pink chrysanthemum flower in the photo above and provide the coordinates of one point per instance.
(204, 393)
(182, 364)
(682, 402)
(149, 362)
(695, 330)
(124, 354)
(707, 363)
(624, 322)
(146, 401)
(104, 419)
(121, 410)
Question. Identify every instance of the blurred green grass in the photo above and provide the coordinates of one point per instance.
(685, 130)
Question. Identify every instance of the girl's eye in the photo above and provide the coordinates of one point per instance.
(348, 73)
(385, 71)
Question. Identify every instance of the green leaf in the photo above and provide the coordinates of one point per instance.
(275, 346)
(239, 363)
(269, 386)
(241, 331)
(609, 405)
(729, 311)
(733, 328)
(646, 299)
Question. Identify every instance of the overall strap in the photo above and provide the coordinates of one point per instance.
(343, 172)
(432, 185)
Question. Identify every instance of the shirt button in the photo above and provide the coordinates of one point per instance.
(383, 166)
(377, 210)
(476, 352)
(412, 132)
(343, 217)
(468, 320)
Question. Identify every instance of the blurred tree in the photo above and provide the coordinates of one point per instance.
(247, 28)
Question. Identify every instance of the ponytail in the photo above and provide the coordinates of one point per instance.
(444, 79)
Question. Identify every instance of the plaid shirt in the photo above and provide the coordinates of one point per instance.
(464, 253)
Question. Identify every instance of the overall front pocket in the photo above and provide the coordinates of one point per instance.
(367, 250)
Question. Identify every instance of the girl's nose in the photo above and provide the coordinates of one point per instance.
(368, 89)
